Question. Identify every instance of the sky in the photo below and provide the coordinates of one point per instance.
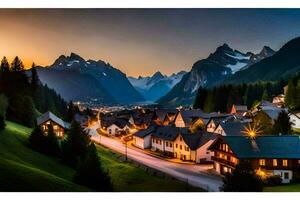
(141, 41)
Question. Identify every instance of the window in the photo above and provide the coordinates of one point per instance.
(176, 145)
(284, 163)
(180, 138)
(262, 162)
(274, 162)
(187, 149)
(171, 144)
(167, 144)
(180, 147)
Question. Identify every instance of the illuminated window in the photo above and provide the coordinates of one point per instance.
(299, 162)
(284, 163)
(274, 162)
(262, 162)
(226, 147)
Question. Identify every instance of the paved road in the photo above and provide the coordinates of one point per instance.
(196, 175)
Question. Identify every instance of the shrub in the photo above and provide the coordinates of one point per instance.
(273, 181)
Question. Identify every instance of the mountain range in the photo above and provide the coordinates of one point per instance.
(155, 86)
(224, 63)
(77, 79)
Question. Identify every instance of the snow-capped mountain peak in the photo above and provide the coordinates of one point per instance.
(157, 85)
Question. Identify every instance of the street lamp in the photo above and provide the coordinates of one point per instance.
(126, 140)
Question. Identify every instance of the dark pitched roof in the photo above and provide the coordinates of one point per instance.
(233, 128)
(168, 132)
(142, 118)
(162, 113)
(50, 116)
(121, 123)
(273, 113)
(220, 118)
(144, 132)
(198, 139)
(190, 115)
(265, 146)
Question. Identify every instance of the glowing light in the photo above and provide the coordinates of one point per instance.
(262, 174)
(252, 131)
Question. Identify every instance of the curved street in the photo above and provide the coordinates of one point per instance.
(195, 175)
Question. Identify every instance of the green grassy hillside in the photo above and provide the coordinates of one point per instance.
(283, 188)
(22, 169)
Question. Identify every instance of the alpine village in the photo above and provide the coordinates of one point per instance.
(235, 130)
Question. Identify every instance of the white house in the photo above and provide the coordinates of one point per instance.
(142, 138)
(194, 146)
(120, 125)
(163, 138)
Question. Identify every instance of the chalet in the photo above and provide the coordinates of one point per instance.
(118, 126)
(163, 138)
(213, 122)
(185, 118)
(238, 109)
(165, 116)
(142, 138)
(194, 146)
(176, 142)
(59, 126)
(295, 120)
(141, 120)
(268, 155)
(231, 128)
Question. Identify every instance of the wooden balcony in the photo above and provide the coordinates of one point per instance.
(223, 161)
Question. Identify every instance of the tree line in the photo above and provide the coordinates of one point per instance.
(24, 96)
(221, 98)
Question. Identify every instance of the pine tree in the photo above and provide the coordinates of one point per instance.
(4, 67)
(200, 98)
(2, 123)
(17, 65)
(242, 179)
(52, 144)
(75, 145)
(290, 97)
(35, 86)
(265, 95)
(264, 122)
(37, 140)
(282, 124)
(91, 173)
(71, 111)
